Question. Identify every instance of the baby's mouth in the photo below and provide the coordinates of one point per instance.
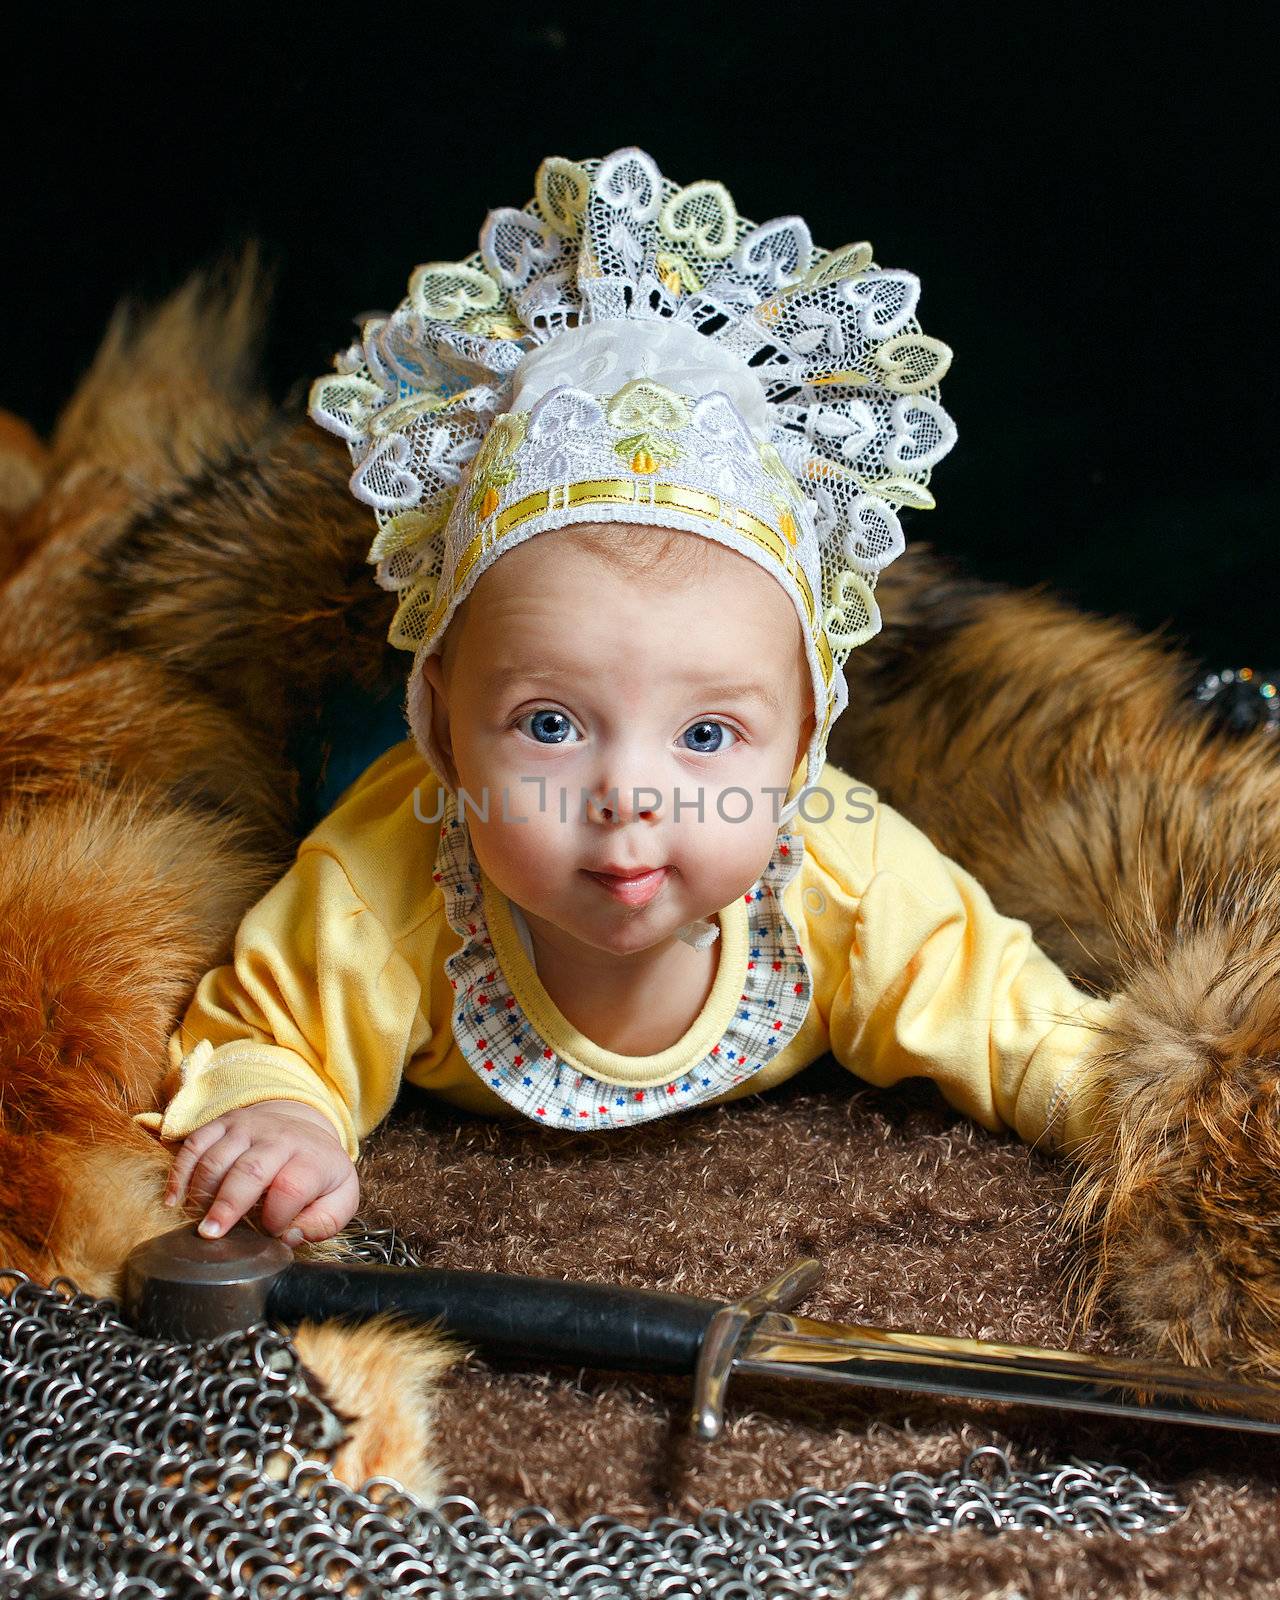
(636, 888)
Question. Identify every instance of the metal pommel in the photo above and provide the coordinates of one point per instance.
(167, 1282)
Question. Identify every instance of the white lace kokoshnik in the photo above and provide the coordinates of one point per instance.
(628, 349)
(506, 1052)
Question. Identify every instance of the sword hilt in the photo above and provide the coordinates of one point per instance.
(182, 1286)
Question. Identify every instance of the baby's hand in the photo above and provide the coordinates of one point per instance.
(280, 1149)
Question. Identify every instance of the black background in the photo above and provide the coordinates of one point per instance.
(1087, 198)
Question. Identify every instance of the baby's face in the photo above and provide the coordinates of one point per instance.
(634, 721)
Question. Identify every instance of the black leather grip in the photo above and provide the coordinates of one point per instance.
(542, 1318)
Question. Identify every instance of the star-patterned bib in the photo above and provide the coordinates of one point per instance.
(517, 1041)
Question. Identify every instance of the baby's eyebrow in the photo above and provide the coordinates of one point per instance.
(506, 673)
(505, 676)
(740, 690)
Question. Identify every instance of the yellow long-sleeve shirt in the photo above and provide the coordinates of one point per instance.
(385, 952)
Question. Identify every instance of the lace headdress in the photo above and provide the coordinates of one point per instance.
(624, 349)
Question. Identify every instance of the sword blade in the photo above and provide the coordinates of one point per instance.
(884, 1358)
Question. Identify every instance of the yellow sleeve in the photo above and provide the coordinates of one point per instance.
(317, 1005)
(941, 985)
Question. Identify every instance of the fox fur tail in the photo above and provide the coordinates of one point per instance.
(1178, 1194)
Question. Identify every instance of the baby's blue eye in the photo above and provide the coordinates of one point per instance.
(708, 736)
(547, 726)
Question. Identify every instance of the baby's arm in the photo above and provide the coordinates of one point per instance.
(941, 985)
(280, 1150)
(315, 1019)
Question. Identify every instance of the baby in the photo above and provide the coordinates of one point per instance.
(612, 876)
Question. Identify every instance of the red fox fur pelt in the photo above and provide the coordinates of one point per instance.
(146, 797)
(182, 581)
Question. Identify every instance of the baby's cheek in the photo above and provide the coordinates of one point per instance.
(525, 853)
(726, 857)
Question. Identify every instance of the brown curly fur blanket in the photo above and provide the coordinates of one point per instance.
(182, 584)
(921, 1220)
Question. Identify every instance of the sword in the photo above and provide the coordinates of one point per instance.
(181, 1286)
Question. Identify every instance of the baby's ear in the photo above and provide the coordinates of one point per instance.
(429, 719)
(806, 733)
(433, 671)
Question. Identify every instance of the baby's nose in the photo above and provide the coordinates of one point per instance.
(623, 805)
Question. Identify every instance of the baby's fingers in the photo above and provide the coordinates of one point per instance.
(327, 1214)
(244, 1182)
(192, 1148)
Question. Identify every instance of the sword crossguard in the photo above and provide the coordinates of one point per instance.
(726, 1332)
